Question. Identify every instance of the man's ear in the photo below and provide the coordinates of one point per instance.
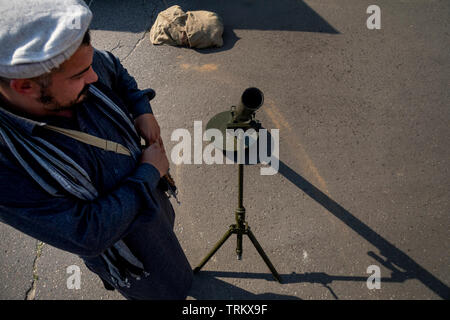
(26, 87)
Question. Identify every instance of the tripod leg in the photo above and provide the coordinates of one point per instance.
(263, 255)
(239, 246)
(216, 247)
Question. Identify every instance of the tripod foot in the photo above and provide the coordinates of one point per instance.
(216, 247)
(263, 255)
(196, 270)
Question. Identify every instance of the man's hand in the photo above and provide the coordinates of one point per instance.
(156, 156)
(148, 128)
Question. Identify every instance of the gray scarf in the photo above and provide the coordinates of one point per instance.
(63, 172)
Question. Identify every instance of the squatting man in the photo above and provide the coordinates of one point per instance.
(59, 97)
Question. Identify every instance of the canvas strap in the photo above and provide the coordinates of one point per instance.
(110, 146)
(93, 140)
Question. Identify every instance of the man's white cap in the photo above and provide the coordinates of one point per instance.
(39, 35)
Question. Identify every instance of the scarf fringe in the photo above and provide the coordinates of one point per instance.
(62, 172)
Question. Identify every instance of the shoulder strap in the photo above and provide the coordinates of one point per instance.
(92, 140)
(110, 146)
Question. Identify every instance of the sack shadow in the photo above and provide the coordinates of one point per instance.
(284, 15)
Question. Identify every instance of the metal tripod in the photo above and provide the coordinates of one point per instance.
(240, 228)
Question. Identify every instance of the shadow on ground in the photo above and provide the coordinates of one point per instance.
(207, 286)
(283, 15)
(402, 267)
(400, 264)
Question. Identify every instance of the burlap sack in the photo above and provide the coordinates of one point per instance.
(170, 27)
(204, 29)
(195, 29)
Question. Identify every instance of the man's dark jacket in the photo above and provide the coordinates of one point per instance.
(130, 206)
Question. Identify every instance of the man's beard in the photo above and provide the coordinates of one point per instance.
(51, 104)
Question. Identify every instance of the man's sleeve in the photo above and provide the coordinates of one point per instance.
(112, 73)
(85, 228)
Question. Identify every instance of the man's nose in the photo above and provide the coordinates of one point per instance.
(91, 76)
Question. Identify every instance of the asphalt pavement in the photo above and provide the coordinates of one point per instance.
(363, 182)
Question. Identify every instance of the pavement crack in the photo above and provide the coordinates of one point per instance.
(31, 293)
(117, 46)
(147, 30)
(135, 46)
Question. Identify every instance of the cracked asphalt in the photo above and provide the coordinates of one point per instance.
(364, 150)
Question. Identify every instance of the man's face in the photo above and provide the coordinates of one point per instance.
(70, 83)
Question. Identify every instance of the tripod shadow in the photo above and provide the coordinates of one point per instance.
(208, 283)
(402, 267)
(207, 286)
(393, 258)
